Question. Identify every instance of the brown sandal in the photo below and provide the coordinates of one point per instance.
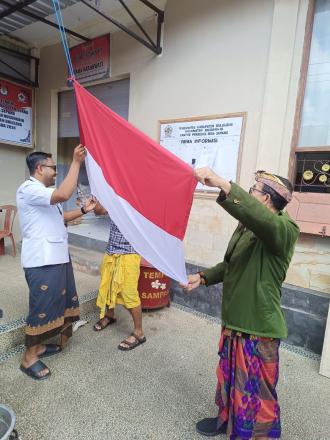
(101, 325)
(131, 345)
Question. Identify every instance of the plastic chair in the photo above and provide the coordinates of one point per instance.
(10, 213)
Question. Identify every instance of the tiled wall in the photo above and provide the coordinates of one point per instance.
(209, 231)
(310, 266)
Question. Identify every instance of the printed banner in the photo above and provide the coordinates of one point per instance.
(91, 61)
(15, 113)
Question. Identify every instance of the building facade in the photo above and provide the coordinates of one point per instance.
(266, 59)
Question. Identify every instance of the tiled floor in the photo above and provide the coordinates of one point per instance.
(158, 391)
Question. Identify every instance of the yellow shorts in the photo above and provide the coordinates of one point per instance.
(119, 280)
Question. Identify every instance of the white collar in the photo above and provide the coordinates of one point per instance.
(33, 179)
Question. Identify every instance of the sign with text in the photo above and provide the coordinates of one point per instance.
(15, 114)
(213, 143)
(91, 61)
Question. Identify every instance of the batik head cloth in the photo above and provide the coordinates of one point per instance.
(275, 183)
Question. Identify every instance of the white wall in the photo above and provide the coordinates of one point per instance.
(214, 61)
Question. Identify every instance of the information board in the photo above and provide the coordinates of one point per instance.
(213, 142)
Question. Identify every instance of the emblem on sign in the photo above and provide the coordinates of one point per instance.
(3, 90)
(168, 130)
(21, 96)
(158, 285)
(155, 284)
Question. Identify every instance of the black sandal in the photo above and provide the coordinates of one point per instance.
(210, 427)
(101, 325)
(131, 345)
(34, 369)
(51, 349)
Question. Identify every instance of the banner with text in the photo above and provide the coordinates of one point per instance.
(213, 143)
(15, 113)
(91, 61)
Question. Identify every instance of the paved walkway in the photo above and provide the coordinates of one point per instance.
(158, 391)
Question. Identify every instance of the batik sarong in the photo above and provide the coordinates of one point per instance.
(247, 376)
(53, 302)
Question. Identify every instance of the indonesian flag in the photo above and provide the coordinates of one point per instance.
(146, 190)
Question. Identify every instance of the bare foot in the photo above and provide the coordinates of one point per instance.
(41, 349)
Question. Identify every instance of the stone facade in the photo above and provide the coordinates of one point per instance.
(310, 266)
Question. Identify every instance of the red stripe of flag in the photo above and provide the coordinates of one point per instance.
(159, 185)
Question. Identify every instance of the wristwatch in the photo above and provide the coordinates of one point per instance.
(82, 209)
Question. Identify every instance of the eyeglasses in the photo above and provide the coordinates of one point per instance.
(256, 189)
(53, 167)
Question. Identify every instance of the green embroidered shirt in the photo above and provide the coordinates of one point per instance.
(254, 266)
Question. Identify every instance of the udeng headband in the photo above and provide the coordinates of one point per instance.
(273, 183)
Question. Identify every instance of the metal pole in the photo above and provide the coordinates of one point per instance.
(16, 52)
(16, 71)
(122, 27)
(160, 21)
(153, 7)
(137, 22)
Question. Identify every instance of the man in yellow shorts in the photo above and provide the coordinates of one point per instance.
(120, 273)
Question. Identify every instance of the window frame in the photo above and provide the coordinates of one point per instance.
(302, 88)
(297, 209)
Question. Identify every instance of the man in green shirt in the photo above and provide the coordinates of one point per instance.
(252, 272)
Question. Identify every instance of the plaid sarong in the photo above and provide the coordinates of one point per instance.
(247, 376)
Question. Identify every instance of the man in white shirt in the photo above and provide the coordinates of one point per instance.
(53, 300)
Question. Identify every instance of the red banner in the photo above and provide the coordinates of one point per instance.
(91, 61)
(15, 113)
(13, 96)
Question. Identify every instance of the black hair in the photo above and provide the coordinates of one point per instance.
(278, 201)
(35, 159)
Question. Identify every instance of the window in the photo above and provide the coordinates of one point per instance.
(312, 172)
(315, 118)
(311, 142)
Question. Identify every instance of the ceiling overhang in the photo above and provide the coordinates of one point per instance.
(33, 24)
(31, 21)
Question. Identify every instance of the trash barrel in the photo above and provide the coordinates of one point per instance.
(153, 287)
(7, 423)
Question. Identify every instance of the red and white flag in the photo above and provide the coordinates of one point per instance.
(146, 190)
